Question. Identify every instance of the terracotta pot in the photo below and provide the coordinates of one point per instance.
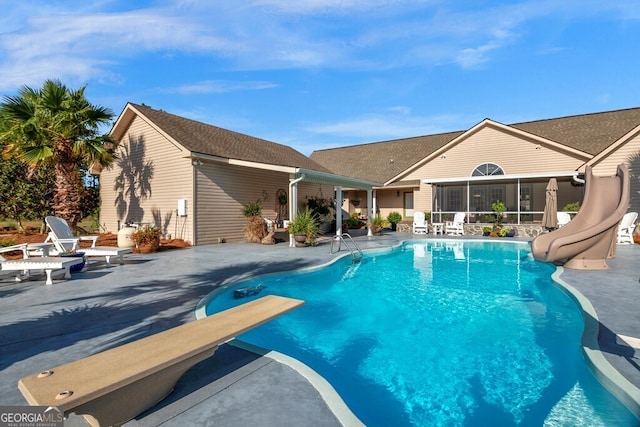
(149, 247)
(300, 239)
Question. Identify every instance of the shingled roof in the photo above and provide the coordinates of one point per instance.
(381, 161)
(202, 138)
(591, 133)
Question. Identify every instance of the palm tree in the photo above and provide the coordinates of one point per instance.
(56, 126)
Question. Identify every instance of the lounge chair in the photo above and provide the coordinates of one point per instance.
(455, 227)
(62, 237)
(626, 228)
(25, 265)
(563, 218)
(419, 223)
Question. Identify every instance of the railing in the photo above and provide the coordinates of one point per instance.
(356, 252)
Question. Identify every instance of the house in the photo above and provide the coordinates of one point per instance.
(192, 179)
(469, 170)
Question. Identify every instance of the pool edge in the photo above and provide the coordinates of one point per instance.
(608, 376)
(329, 395)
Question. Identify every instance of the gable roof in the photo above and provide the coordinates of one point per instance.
(205, 139)
(591, 133)
(588, 133)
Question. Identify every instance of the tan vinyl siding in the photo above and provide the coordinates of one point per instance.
(422, 198)
(513, 154)
(145, 183)
(624, 154)
(388, 201)
(223, 190)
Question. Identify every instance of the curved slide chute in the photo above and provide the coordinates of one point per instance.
(590, 237)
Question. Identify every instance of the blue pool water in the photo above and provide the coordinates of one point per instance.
(440, 333)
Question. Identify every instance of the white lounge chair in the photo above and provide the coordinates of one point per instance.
(419, 223)
(62, 237)
(25, 265)
(626, 227)
(563, 218)
(455, 227)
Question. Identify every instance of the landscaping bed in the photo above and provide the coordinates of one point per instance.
(8, 238)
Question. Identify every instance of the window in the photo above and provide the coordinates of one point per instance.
(487, 169)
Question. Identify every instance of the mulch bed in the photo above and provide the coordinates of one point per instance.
(105, 239)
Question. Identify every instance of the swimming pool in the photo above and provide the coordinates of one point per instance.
(440, 333)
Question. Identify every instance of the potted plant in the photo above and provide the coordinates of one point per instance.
(76, 267)
(511, 232)
(377, 224)
(394, 218)
(147, 239)
(256, 228)
(304, 228)
(355, 202)
(499, 208)
(486, 230)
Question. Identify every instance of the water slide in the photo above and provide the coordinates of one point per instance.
(590, 237)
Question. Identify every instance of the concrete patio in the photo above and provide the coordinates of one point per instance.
(100, 308)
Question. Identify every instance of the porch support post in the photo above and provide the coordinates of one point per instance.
(293, 204)
(371, 210)
(339, 211)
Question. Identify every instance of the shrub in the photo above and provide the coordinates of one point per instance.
(394, 217)
(146, 235)
(252, 209)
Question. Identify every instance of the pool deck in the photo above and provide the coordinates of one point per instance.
(100, 308)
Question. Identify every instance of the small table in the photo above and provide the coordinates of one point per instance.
(40, 248)
(438, 227)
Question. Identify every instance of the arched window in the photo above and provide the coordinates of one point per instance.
(487, 169)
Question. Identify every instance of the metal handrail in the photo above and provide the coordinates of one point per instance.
(340, 238)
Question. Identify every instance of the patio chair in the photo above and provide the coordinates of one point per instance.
(626, 227)
(563, 218)
(62, 237)
(455, 227)
(25, 265)
(419, 223)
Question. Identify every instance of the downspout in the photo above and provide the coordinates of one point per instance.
(293, 204)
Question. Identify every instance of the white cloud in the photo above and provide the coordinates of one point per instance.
(389, 126)
(220, 86)
(88, 40)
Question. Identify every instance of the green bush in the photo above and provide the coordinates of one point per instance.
(252, 209)
(394, 217)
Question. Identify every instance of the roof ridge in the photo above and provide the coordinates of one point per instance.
(573, 116)
(391, 140)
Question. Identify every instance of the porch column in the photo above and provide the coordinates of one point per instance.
(371, 210)
(293, 204)
(339, 211)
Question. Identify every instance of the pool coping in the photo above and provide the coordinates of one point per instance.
(604, 371)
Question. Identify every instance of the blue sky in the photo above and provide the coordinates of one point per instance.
(317, 74)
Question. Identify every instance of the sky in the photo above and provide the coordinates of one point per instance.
(317, 74)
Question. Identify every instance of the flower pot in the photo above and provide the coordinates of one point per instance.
(300, 240)
(77, 267)
(394, 226)
(149, 245)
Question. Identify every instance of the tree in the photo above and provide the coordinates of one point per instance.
(56, 126)
(25, 195)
